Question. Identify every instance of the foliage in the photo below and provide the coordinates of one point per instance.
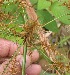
(45, 16)
(14, 21)
(59, 9)
(62, 41)
(56, 9)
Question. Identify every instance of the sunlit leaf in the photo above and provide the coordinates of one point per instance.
(43, 4)
(58, 9)
(45, 17)
(19, 19)
(9, 7)
(34, 3)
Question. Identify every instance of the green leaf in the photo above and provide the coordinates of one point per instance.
(11, 37)
(45, 17)
(54, 0)
(45, 56)
(43, 4)
(6, 21)
(62, 41)
(19, 19)
(7, 1)
(17, 16)
(20, 10)
(33, 1)
(19, 29)
(14, 39)
(9, 7)
(58, 10)
(60, 0)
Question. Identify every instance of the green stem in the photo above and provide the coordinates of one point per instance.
(24, 56)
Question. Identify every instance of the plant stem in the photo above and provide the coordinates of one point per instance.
(24, 56)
